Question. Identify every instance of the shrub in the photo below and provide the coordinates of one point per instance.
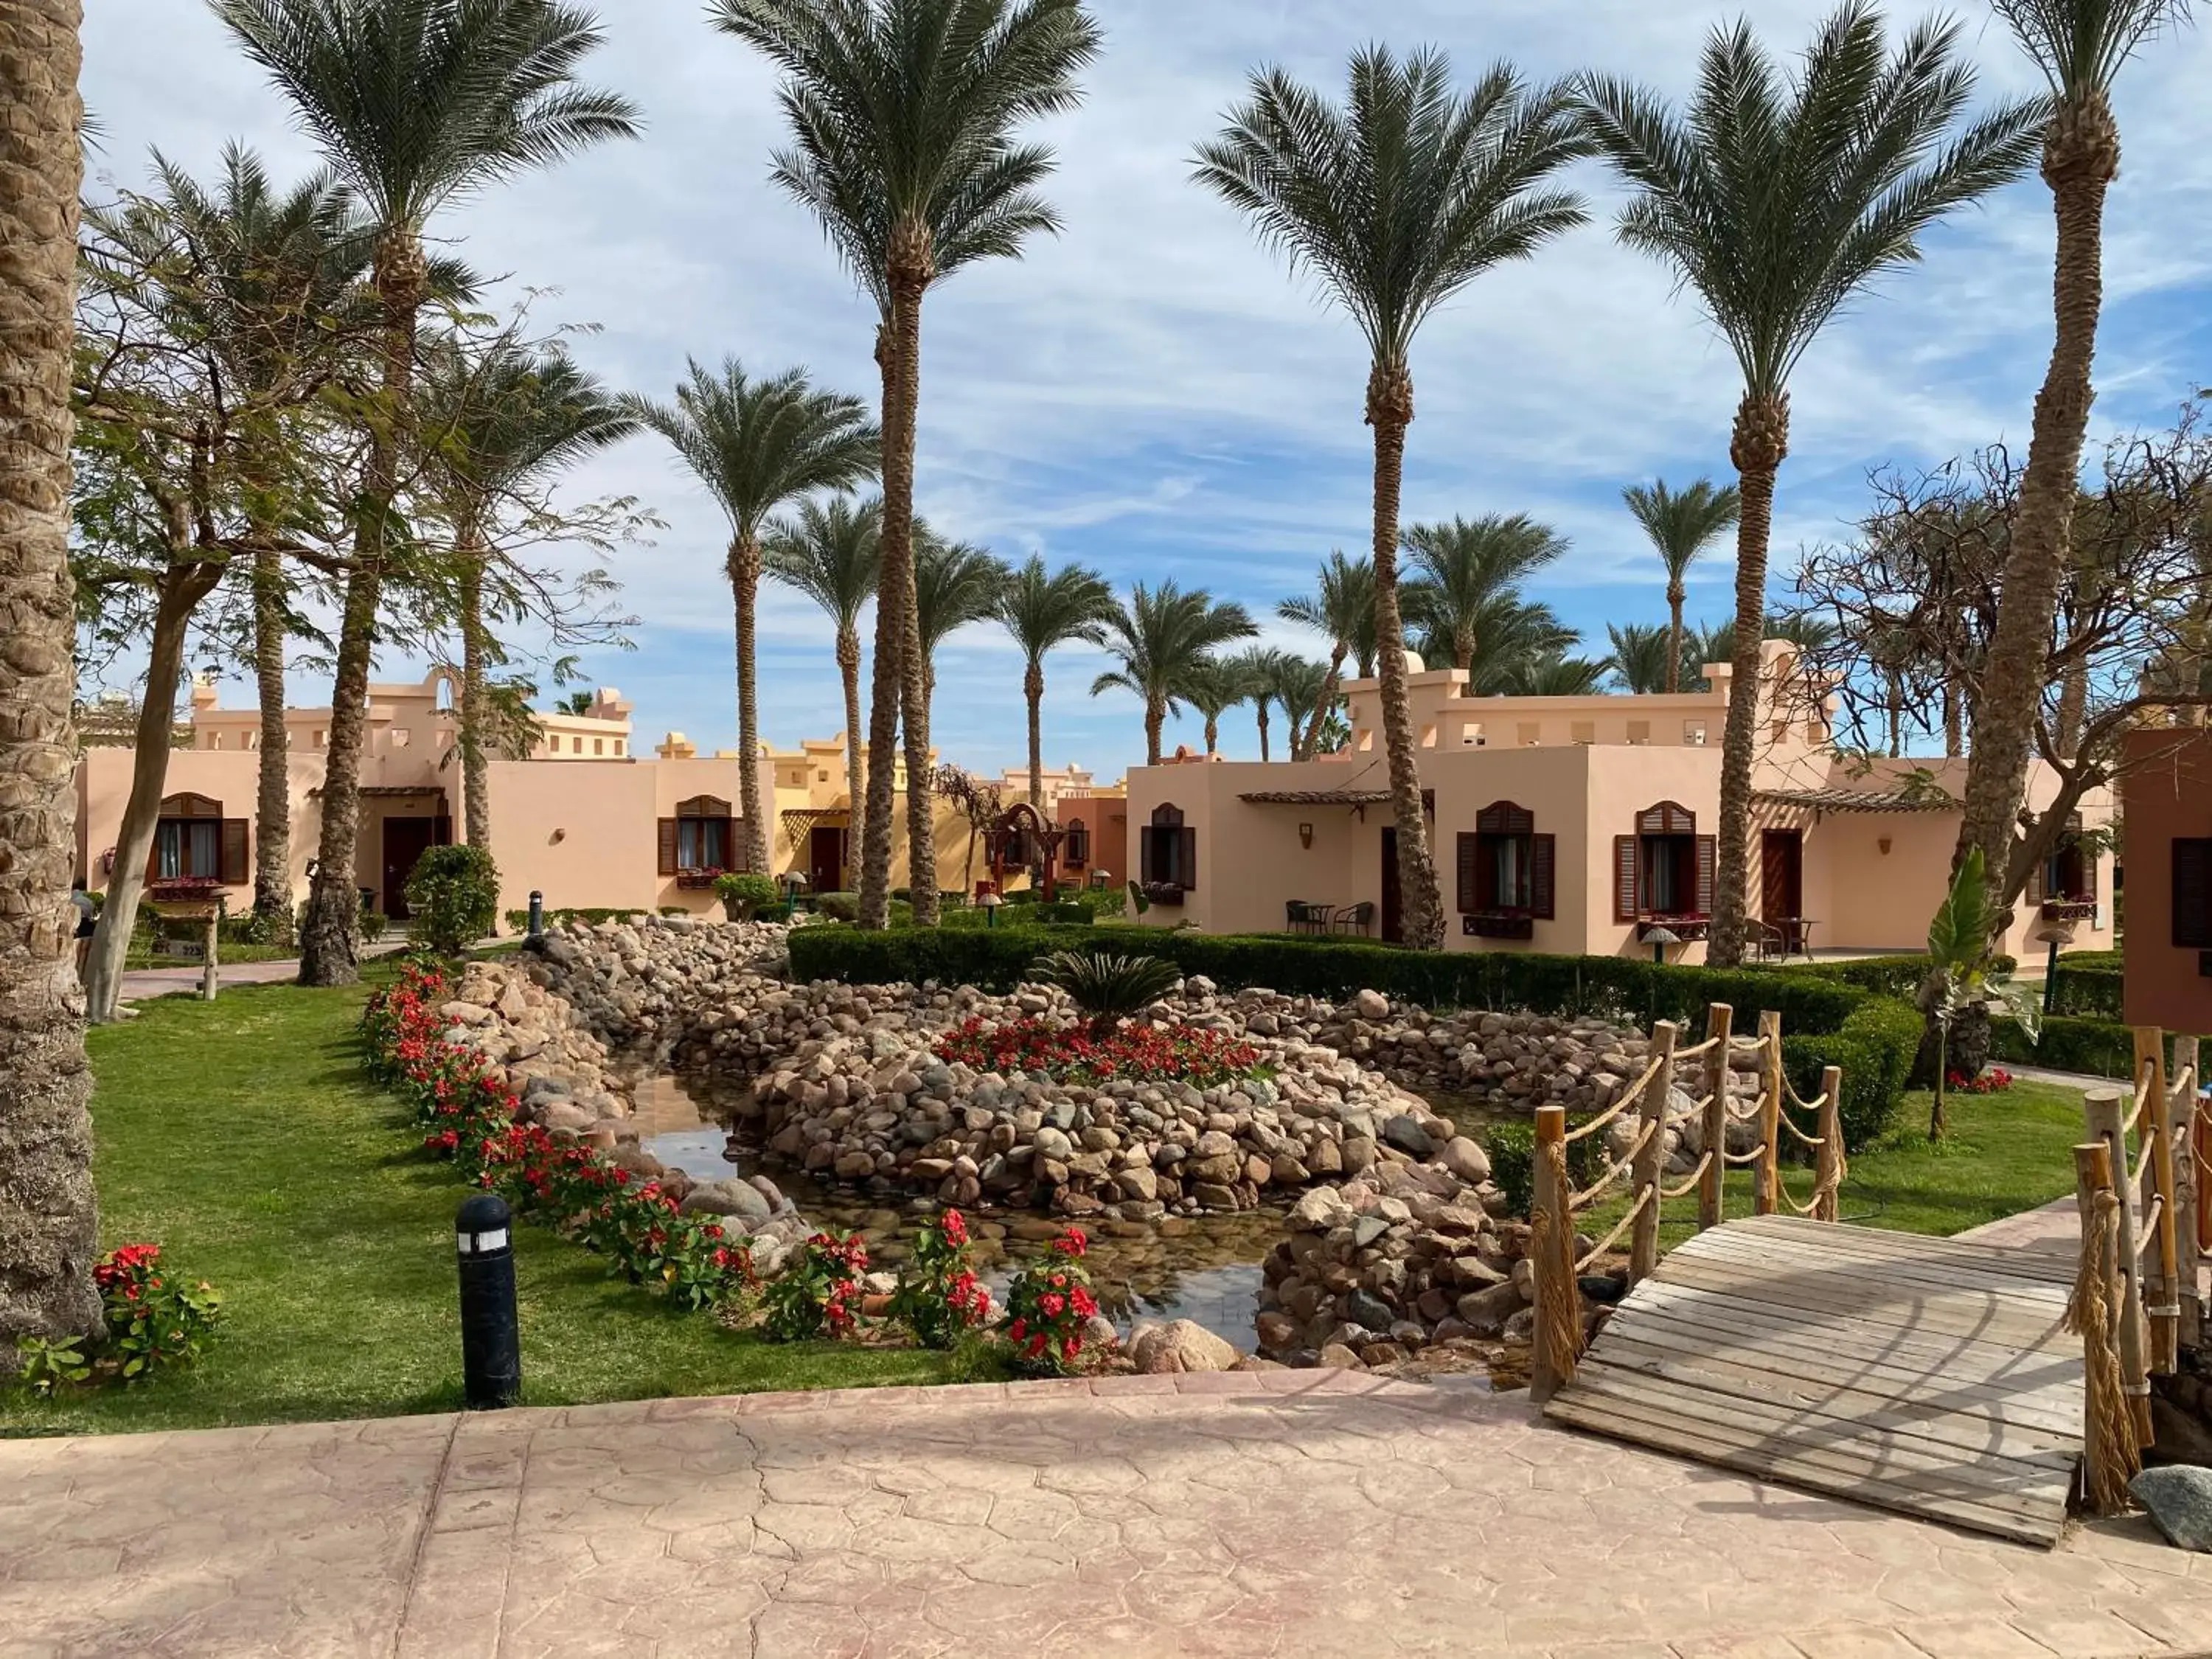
(1047, 1303)
(1066, 912)
(1512, 1148)
(2098, 1048)
(1184, 1055)
(819, 1294)
(938, 1298)
(744, 896)
(841, 907)
(2088, 991)
(454, 894)
(1874, 1044)
(154, 1320)
(1108, 988)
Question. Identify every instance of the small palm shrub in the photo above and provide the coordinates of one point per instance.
(1110, 988)
(453, 896)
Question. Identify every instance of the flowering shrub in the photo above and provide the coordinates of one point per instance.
(154, 1321)
(1046, 1304)
(1994, 1081)
(939, 1296)
(468, 1114)
(1139, 1053)
(819, 1293)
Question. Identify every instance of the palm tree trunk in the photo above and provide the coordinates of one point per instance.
(912, 266)
(1301, 744)
(856, 772)
(1156, 716)
(1213, 735)
(1954, 739)
(1259, 709)
(1463, 650)
(272, 807)
(183, 588)
(1390, 412)
(328, 944)
(2080, 156)
(745, 591)
(1676, 593)
(1761, 441)
(2073, 709)
(49, 1217)
(476, 758)
(1033, 689)
(894, 598)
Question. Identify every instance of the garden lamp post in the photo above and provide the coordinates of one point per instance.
(1659, 939)
(991, 902)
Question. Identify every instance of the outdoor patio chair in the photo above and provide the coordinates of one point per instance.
(1356, 918)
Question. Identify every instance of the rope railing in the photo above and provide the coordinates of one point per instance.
(1620, 1227)
(1691, 1183)
(1801, 1138)
(1629, 1096)
(1695, 1049)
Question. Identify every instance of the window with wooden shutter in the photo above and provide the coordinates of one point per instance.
(1148, 857)
(1543, 859)
(1469, 884)
(236, 857)
(1186, 858)
(668, 866)
(1706, 858)
(2192, 894)
(1625, 874)
(2038, 888)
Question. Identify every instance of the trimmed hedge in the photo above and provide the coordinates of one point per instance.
(2088, 993)
(2097, 1047)
(1875, 1045)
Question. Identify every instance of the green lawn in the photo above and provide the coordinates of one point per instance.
(2005, 1153)
(242, 1136)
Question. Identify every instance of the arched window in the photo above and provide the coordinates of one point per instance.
(699, 840)
(1076, 851)
(1168, 851)
(193, 842)
(1506, 872)
(1664, 871)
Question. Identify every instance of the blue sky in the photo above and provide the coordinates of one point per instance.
(1151, 393)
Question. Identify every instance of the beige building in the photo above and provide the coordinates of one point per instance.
(1583, 825)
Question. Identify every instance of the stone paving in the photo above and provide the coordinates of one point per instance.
(1287, 1513)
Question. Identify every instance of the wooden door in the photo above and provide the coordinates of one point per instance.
(825, 859)
(1782, 875)
(1393, 926)
(405, 840)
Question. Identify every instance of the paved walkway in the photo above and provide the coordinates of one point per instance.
(1309, 1513)
(143, 984)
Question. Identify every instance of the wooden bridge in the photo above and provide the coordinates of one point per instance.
(1946, 1378)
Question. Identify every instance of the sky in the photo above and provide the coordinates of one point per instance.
(1152, 394)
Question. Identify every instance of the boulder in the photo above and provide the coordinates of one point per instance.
(1466, 1159)
(736, 1199)
(1181, 1344)
(2179, 1499)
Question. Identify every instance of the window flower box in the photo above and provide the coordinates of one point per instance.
(185, 889)
(1684, 928)
(2070, 909)
(697, 880)
(1165, 892)
(1501, 924)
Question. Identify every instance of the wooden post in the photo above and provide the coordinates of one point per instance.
(1831, 1156)
(2155, 1133)
(2189, 1253)
(1544, 1377)
(2102, 1107)
(2092, 1174)
(1766, 1194)
(1648, 1172)
(210, 977)
(1712, 1185)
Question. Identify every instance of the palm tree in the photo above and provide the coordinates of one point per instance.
(1681, 526)
(902, 115)
(490, 423)
(1466, 568)
(1043, 610)
(832, 552)
(1397, 202)
(1777, 198)
(2079, 45)
(49, 1216)
(414, 102)
(1342, 609)
(1262, 668)
(1645, 658)
(955, 583)
(1161, 638)
(1555, 677)
(1518, 634)
(1714, 642)
(1218, 685)
(758, 446)
(1306, 690)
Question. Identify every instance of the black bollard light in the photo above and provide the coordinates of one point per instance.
(537, 913)
(491, 1341)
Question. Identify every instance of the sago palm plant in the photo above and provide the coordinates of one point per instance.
(1110, 988)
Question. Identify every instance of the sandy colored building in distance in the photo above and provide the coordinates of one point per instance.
(1587, 825)
(2165, 796)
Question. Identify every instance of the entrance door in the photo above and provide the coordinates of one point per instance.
(825, 859)
(1782, 875)
(405, 840)
(1394, 928)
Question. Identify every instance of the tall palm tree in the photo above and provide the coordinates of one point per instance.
(1644, 659)
(1681, 524)
(1557, 676)
(1465, 567)
(1306, 690)
(955, 584)
(1516, 633)
(903, 115)
(414, 102)
(490, 424)
(1043, 610)
(1342, 610)
(758, 446)
(1218, 685)
(1262, 669)
(1396, 202)
(1777, 198)
(49, 1216)
(1162, 638)
(1714, 642)
(2079, 45)
(832, 552)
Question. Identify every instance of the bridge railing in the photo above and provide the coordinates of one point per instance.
(2146, 1227)
(1640, 1171)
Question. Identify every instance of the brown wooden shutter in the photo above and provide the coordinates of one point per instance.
(1146, 858)
(2036, 889)
(1706, 853)
(2192, 894)
(2088, 875)
(1543, 859)
(236, 857)
(1467, 873)
(736, 853)
(1187, 863)
(668, 846)
(153, 857)
(1624, 877)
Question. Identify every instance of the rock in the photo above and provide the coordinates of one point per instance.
(1488, 1310)
(1466, 1159)
(1277, 1331)
(1371, 1007)
(2179, 1499)
(1319, 1209)
(1335, 1356)
(1365, 1308)
(735, 1199)
(1053, 1144)
(1406, 1133)
(1182, 1345)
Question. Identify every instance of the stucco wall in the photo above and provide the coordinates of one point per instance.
(2167, 794)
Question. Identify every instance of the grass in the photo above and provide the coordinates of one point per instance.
(225, 955)
(243, 1137)
(2004, 1153)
